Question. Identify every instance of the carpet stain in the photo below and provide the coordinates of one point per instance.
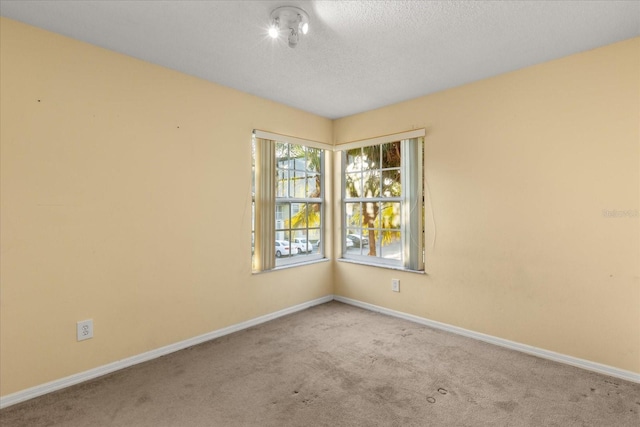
(405, 334)
(350, 382)
(507, 406)
(385, 392)
(309, 400)
(143, 399)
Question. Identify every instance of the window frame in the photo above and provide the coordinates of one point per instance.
(265, 201)
(411, 202)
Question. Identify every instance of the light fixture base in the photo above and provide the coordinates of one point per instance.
(292, 19)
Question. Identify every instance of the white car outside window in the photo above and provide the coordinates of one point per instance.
(302, 245)
(282, 248)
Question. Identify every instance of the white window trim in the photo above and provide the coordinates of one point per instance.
(412, 134)
(291, 140)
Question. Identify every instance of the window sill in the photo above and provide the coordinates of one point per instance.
(298, 264)
(385, 266)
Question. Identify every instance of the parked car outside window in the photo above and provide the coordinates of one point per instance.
(358, 241)
(301, 245)
(282, 248)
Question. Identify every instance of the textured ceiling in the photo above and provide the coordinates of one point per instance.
(358, 55)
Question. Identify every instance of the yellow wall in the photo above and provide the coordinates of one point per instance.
(126, 198)
(519, 169)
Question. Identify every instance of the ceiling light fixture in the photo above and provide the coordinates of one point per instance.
(291, 19)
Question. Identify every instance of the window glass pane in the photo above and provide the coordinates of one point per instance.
(390, 216)
(314, 238)
(298, 215)
(299, 234)
(313, 159)
(282, 155)
(313, 215)
(300, 243)
(298, 182)
(299, 163)
(283, 215)
(353, 215)
(370, 214)
(374, 243)
(371, 184)
(282, 245)
(312, 185)
(359, 233)
(391, 247)
(371, 157)
(354, 160)
(391, 185)
(391, 155)
(357, 241)
(292, 182)
(353, 182)
(282, 183)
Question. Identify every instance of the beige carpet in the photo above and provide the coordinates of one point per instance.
(337, 365)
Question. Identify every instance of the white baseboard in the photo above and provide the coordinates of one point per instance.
(30, 393)
(545, 354)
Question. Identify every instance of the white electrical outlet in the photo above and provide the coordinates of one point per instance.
(85, 329)
(395, 285)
